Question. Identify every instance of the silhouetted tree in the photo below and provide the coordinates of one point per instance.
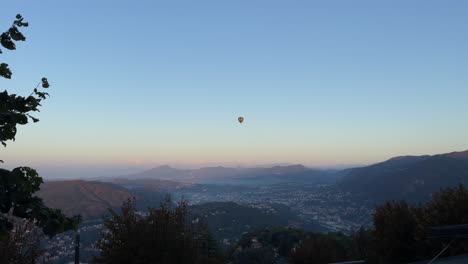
(209, 249)
(22, 244)
(395, 228)
(361, 242)
(363, 245)
(447, 207)
(17, 187)
(401, 232)
(400, 235)
(274, 243)
(164, 236)
(319, 249)
(264, 255)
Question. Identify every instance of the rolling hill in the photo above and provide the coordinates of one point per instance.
(413, 178)
(91, 199)
(229, 220)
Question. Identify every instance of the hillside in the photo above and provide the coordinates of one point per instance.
(413, 178)
(229, 220)
(88, 198)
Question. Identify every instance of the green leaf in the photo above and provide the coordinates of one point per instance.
(15, 34)
(6, 41)
(35, 120)
(5, 71)
(17, 187)
(45, 83)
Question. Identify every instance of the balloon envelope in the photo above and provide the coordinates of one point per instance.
(240, 119)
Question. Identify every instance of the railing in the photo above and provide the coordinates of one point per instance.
(350, 262)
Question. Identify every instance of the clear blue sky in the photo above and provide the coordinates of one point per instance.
(320, 83)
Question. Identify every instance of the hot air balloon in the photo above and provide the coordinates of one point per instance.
(240, 119)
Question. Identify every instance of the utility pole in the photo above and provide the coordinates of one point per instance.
(77, 248)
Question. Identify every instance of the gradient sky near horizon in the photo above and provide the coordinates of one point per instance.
(329, 83)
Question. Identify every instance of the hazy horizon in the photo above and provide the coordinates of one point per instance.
(319, 84)
(52, 172)
(97, 171)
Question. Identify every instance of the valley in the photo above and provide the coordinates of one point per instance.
(239, 201)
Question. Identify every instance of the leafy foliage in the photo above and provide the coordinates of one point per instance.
(293, 246)
(22, 246)
(280, 240)
(226, 220)
(317, 250)
(262, 255)
(17, 187)
(363, 245)
(16, 196)
(395, 228)
(401, 231)
(14, 109)
(164, 236)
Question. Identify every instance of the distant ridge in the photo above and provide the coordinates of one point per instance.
(408, 159)
(407, 177)
(458, 155)
(215, 173)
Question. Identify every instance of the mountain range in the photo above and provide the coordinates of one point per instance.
(222, 175)
(412, 178)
